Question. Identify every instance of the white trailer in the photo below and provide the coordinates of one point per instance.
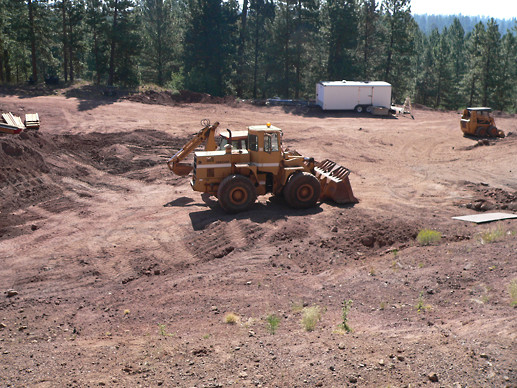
(353, 95)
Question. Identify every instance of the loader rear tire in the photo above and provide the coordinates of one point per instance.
(236, 193)
(302, 190)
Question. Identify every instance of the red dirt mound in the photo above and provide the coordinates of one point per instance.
(36, 168)
(491, 198)
(183, 97)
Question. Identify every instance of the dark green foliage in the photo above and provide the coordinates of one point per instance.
(97, 27)
(342, 39)
(162, 32)
(428, 23)
(124, 39)
(262, 48)
(209, 45)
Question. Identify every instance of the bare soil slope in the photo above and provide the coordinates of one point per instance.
(115, 273)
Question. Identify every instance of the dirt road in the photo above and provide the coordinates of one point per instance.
(115, 273)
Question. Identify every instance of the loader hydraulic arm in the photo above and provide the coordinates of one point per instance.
(207, 133)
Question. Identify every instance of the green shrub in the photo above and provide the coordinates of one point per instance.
(310, 317)
(512, 288)
(493, 235)
(273, 321)
(428, 237)
(421, 306)
(162, 329)
(347, 305)
(231, 318)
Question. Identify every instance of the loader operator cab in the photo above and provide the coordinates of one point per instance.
(479, 114)
(264, 147)
(239, 140)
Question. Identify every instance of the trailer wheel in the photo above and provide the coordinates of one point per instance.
(359, 109)
(236, 193)
(302, 190)
(369, 109)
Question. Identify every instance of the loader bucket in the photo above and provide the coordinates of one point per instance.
(494, 132)
(334, 181)
(180, 169)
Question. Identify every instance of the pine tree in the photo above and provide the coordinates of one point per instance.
(97, 27)
(209, 45)
(124, 42)
(474, 63)
(262, 12)
(490, 65)
(342, 39)
(399, 29)
(456, 37)
(161, 34)
(442, 68)
(505, 92)
(369, 39)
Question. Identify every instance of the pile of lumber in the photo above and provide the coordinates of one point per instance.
(32, 121)
(13, 124)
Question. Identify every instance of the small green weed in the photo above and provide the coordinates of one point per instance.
(310, 317)
(382, 305)
(512, 289)
(162, 329)
(492, 235)
(347, 305)
(231, 318)
(297, 307)
(272, 323)
(428, 237)
(421, 306)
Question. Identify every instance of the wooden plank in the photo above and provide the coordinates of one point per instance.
(8, 118)
(32, 121)
(13, 120)
(11, 129)
(31, 117)
(19, 122)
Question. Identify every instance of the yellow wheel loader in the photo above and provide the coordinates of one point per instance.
(479, 122)
(236, 176)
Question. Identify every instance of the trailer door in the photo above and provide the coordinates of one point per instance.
(365, 95)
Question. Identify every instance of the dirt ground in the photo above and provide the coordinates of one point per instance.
(115, 273)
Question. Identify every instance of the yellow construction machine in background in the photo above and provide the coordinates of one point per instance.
(255, 163)
(479, 122)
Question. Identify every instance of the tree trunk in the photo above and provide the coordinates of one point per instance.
(286, 53)
(240, 51)
(298, 52)
(2, 61)
(255, 65)
(96, 53)
(71, 52)
(7, 67)
(65, 42)
(34, 76)
(111, 75)
(160, 38)
(389, 54)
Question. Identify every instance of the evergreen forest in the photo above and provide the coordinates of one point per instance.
(259, 48)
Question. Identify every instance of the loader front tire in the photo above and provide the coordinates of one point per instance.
(236, 193)
(302, 190)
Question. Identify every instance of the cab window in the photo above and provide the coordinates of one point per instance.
(274, 142)
(253, 142)
(267, 143)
